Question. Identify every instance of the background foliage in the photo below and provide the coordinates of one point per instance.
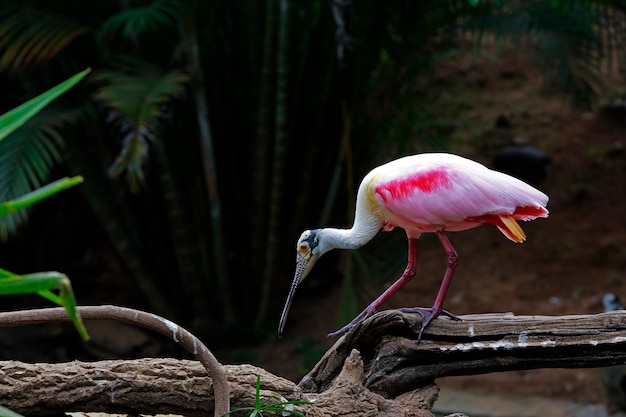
(212, 132)
(53, 286)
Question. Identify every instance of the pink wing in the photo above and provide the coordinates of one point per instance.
(429, 192)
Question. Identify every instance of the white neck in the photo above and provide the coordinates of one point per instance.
(366, 226)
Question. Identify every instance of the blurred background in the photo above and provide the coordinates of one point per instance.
(211, 133)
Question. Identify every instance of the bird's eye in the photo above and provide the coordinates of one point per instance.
(303, 247)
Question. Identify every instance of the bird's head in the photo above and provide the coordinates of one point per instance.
(309, 248)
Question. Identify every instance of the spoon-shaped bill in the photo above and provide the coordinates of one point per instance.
(302, 268)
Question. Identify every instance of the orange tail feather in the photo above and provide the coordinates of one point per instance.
(509, 227)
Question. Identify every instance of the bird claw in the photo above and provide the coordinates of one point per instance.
(428, 315)
(368, 312)
(450, 315)
(341, 331)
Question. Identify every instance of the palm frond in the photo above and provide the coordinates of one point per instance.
(132, 157)
(130, 23)
(29, 37)
(14, 118)
(137, 99)
(27, 157)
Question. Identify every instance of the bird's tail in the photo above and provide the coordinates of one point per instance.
(511, 229)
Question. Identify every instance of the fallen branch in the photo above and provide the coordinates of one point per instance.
(146, 386)
(138, 318)
(162, 386)
(479, 344)
(392, 376)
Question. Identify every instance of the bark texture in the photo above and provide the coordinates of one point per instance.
(377, 369)
(478, 344)
(162, 386)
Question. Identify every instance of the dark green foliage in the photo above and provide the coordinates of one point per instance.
(137, 97)
(214, 132)
(27, 158)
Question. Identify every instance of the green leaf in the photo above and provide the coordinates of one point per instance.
(15, 118)
(257, 396)
(42, 283)
(5, 412)
(28, 157)
(261, 406)
(18, 284)
(5, 274)
(39, 194)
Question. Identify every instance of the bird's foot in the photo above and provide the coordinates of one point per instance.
(368, 312)
(428, 315)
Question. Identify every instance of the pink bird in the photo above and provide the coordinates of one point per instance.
(434, 192)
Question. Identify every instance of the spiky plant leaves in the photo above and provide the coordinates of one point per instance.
(27, 157)
(27, 200)
(14, 118)
(132, 157)
(30, 37)
(137, 98)
(130, 23)
(53, 286)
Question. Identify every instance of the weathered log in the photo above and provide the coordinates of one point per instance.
(150, 386)
(394, 378)
(44, 396)
(347, 396)
(137, 318)
(162, 386)
(484, 343)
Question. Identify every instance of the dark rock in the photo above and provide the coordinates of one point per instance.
(525, 162)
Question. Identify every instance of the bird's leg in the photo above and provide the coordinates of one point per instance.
(429, 314)
(409, 272)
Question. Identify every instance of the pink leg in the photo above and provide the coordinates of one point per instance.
(409, 272)
(429, 314)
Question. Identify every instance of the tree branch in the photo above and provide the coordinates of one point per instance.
(162, 386)
(146, 386)
(391, 376)
(479, 344)
(137, 318)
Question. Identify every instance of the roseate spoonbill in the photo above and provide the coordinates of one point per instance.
(432, 192)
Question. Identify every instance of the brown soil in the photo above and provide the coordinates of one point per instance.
(569, 260)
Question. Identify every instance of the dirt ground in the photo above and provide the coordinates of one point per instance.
(568, 262)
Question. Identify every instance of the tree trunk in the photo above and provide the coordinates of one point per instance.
(279, 155)
(210, 172)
